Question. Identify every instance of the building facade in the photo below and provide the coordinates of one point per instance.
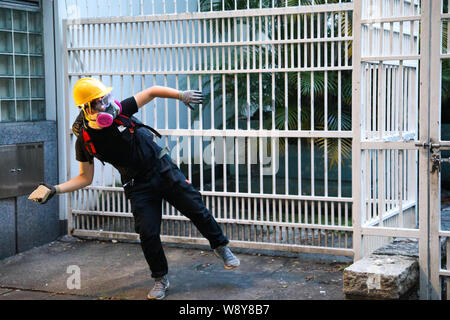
(28, 127)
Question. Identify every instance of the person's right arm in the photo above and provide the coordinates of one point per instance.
(83, 179)
(44, 192)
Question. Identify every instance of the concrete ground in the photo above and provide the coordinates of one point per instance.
(119, 271)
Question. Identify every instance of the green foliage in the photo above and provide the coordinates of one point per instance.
(218, 5)
(274, 111)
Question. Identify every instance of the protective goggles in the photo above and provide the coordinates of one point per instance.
(102, 103)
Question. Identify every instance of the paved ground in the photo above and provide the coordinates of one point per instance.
(118, 271)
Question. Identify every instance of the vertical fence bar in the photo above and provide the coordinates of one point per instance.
(356, 132)
(424, 167)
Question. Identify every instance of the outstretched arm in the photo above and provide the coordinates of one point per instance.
(188, 97)
(45, 192)
(147, 95)
(83, 179)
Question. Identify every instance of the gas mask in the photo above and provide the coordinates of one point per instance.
(108, 109)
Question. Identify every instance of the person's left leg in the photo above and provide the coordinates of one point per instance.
(146, 207)
(180, 193)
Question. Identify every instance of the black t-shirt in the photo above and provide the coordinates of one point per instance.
(133, 155)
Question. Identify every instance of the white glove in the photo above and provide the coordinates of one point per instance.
(191, 96)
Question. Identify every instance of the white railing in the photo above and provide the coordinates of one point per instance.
(257, 67)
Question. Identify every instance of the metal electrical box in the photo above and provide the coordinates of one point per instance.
(21, 168)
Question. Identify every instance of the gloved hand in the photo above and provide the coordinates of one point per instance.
(43, 193)
(191, 96)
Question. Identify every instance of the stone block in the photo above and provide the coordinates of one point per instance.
(400, 246)
(381, 277)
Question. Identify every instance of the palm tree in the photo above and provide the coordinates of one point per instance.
(317, 87)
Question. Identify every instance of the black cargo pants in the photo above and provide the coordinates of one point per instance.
(146, 204)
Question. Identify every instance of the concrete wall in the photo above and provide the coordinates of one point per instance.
(25, 224)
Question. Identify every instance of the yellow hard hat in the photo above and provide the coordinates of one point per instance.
(88, 89)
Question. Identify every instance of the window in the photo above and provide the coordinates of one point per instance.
(21, 3)
(22, 83)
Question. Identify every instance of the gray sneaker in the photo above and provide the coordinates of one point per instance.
(229, 259)
(158, 291)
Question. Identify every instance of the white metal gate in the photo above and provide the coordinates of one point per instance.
(386, 112)
(393, 154)
(439, 240)
(258, 67)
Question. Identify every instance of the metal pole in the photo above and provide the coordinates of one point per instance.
(434, 130)
(356, 128)
(424, 154)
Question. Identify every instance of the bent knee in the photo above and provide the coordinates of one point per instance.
(148, 236)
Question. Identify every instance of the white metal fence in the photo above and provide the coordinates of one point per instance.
(258, 148)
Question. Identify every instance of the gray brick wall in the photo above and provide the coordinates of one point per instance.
(23, 223)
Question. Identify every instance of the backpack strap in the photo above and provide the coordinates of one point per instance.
(151, 129)
(140, 124)
(134, 123)
(90, 146)
(130, 123)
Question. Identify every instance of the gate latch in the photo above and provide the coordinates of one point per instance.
(432, 146)
(435, 149)
(437, 161)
